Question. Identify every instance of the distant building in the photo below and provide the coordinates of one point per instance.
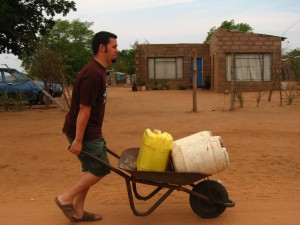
(251, 59)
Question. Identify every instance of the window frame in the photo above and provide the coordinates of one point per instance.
(155, 61)
(249, 69)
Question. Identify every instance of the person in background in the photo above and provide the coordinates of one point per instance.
(83, 126)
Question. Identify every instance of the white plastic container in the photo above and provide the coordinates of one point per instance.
(201, 153)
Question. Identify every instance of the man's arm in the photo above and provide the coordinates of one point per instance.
(82, 120)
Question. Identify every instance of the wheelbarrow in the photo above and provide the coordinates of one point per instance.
(208, 198)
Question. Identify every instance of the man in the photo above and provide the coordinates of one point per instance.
(83, 126)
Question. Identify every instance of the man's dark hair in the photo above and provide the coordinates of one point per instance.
(101, 37)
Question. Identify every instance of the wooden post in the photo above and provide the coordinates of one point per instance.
(194, 81)
(272, 87)
(274, 77)
(47, 94)
(65, 88)
(278, 72)
(65, 98)
(232, 83)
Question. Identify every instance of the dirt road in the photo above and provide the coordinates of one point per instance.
(263, 145)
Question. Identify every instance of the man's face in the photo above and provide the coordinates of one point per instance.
(111, 50)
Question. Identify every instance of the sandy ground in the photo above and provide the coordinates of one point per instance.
(263, 145)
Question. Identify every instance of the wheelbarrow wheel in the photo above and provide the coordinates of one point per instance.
(216, 192)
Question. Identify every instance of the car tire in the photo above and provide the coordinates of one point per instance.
(42, 98)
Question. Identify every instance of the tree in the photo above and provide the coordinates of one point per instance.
(294, 57)
(22, 22)
(48, 65)
(125, 59)
(125, 62)
(70, 43)
(229, 25)
(73, 39)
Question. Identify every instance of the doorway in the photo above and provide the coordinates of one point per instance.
(199, 72)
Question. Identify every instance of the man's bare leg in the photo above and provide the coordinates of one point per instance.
(77, 194)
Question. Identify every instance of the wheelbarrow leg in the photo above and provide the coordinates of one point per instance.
(139, 197)
(152, 208)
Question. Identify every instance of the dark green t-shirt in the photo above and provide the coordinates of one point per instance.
(89, 89)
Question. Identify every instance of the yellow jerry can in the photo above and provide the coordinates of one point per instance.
(155, 151)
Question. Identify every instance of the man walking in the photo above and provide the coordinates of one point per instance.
(83, 126)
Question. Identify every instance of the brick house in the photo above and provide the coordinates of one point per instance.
(256, 58)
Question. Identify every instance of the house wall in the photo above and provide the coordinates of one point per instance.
(145, 51)
(214, 59)
(224, 42)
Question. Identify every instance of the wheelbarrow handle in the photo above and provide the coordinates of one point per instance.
(108, 150)
(112, 153)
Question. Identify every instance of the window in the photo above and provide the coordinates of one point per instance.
(14, 76)
(165, 68)
(249, 67)
(9, 77)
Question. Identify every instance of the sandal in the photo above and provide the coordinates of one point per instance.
(87, 216)
(68, 209)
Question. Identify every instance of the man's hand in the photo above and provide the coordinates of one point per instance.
(76, 147)
(82, 120)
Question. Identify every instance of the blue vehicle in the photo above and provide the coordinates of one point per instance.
(15, 84)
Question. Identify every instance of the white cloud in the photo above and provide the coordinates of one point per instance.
(110, 6)
(182, 20)
(185, 21)
(286, 24)
(11, 61)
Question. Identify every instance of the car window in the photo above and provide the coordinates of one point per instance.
(14, 76)
(9, 78)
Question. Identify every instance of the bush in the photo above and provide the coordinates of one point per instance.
(15, 104)
(181, 86)
(165, 85)
(290, 94)
(207, 82)
(240, 97)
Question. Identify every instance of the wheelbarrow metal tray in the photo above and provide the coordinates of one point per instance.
(128, 160)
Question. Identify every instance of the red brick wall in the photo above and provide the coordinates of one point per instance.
(171, 50)
(224, 42)
(213, 57)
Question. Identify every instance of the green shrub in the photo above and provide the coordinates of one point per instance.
(15, 104)
(240, 97)
(258, 97)
(181, 86)
(290, 94)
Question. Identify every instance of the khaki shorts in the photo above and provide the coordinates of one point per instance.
(97, 148)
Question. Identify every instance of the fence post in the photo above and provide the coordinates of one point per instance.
(194, 81)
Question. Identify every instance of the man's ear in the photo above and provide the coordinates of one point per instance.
(101, 48)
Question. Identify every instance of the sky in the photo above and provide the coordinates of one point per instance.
(182, 21)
